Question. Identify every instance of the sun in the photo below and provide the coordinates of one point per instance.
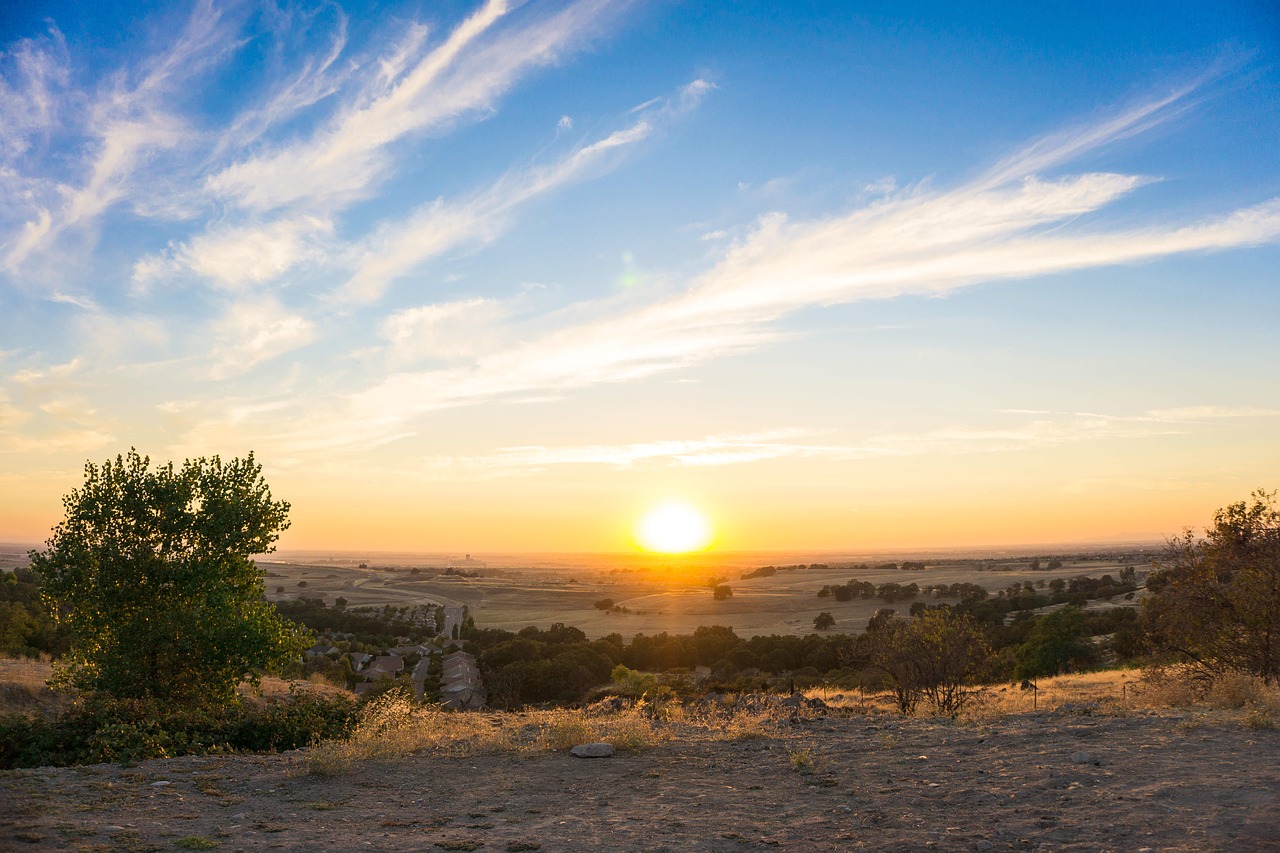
(673, 527)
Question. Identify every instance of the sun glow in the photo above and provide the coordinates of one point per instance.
(673, 527)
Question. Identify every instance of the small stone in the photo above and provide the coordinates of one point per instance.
(240, 816)
(113, 829)
(592, 750)
(160, 784)
(1081, 758)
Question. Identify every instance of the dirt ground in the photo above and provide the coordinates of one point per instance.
(1137, 781)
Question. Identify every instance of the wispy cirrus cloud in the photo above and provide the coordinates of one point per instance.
(1019, 432)
(241, 256)
(438, 227)
(726, 449)
(412, 93)
(254, 330)
(127, 122)
(920, 241)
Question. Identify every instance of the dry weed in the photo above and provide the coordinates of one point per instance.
(1234, 690)
(802, 761)
(1164, 688)
(1259, 719)
(392, 728)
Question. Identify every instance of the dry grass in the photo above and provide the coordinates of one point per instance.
(722, 724)
(393, 728)
(1113, 691)
(23, 689)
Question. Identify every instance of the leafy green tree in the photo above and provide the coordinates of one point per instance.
(151, 569)
(824, 621)
(1214, 603)
(1058, 642)
(722, 592)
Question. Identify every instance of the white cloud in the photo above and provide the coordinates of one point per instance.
(463, 74)
(439, 227)
(751, 447)
(921, 241)
(707, 451)
(256, 330)
(29, 106)
(447, 330)
(128, 124)
(235, 258)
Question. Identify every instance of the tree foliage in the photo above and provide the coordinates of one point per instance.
(1214, 603)
(934, 656)
(1058, 642)
(151, 570)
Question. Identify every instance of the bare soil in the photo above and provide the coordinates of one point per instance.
(1151, 780)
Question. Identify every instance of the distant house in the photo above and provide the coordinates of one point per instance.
(320, 650)
(387, 666)
(460, 680)
(359, 660)
(421, 651)
(467, 563)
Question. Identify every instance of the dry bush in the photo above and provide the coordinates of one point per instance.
(1234, 690)
(1167, 688)
(1259, 719)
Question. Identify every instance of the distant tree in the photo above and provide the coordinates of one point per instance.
(1058, 642)
(824, 621)
(152, 570)
(722, 592)
(340, 603)
(604, 604)
(1213, 604)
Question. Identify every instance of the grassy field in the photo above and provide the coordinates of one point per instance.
(672, 599)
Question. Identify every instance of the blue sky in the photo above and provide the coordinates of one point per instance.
(500, 275)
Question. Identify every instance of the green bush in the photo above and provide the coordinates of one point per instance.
(99, 729)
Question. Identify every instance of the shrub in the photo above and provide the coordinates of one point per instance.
(99, 728)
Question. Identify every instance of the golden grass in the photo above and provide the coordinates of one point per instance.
(393, 728)
(23, 689)
(25, 672)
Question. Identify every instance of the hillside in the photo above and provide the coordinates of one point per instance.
(1096, 776)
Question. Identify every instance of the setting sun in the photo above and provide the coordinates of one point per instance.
(674, 527)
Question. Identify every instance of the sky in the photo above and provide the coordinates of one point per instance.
(494, 276)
